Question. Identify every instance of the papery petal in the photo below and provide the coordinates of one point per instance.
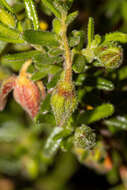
(6, 87)
(27, 94)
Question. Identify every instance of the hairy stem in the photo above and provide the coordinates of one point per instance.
(68, 61)
(25, 67)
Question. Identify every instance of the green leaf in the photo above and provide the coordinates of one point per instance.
(45, 70)
(79, 81)
(79, 64)
(54, 141)
(10, 35)
(41, 38)
(15, 61)
(74, 38)
(118, 122)
(90, 31)
(21, 47)
(57, 26)
(41, 59)
(7, 18)
(45, 120)
(32, 13)
(100, 112)
(122, 73)
(2, 46)
(71, 17)
(18, 7)
(39, 75)
(54, 80)
(55, 52)
(49, 4)
(69, 3)
(99, 83)
(104, 84)
(45, 106)
(81, 33)
(116, 37)
(63, 6)
(7, 6)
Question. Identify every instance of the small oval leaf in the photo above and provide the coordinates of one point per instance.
(41, 38)
(31, 12)
(10, 35)
(100, 112)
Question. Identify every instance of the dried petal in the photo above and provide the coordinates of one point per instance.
(6, 87)
(27, 94)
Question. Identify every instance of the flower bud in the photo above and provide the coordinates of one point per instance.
(109, 56)
(27, 94)
(63, 101)
(84, 137)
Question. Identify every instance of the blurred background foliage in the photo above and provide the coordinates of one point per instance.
(22, 163)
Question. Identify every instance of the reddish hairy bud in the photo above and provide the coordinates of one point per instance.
(26, 92)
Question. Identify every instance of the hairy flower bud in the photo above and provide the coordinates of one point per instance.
(63, 101)
(109, 56)
(84, 137)
(26, 92)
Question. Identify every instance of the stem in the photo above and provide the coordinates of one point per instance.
(25, 67)
(68, 61)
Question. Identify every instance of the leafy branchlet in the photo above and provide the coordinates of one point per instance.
(61, 60)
